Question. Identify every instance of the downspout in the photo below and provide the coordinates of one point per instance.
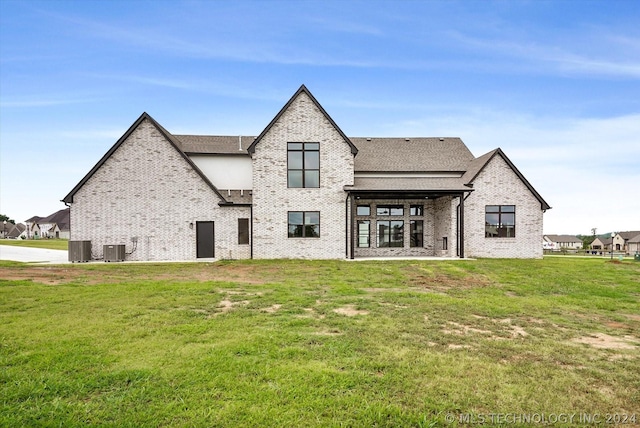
(461, 229)
(251, 235)
(68, 206)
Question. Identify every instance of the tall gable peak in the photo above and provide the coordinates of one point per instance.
(173, 141)
(302, 90)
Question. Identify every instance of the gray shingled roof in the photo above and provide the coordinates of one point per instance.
(408, 184)
(215, 144)
(416, 154)
(374, 154)
(629, 235)
(475, 166)
(61, 218)
(15, 230)
(563, 238)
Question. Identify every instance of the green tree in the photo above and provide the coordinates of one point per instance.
(7, 219)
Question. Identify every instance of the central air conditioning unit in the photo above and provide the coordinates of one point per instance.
(79, 251)
(113, 253)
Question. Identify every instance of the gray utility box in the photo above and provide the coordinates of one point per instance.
(79, 251)
(113, 253)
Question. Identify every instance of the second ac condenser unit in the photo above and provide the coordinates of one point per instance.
(113, 253)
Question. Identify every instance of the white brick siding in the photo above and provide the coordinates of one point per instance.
(498, 184)
(147, 190)
(272, 200)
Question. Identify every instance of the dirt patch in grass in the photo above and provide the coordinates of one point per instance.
(272, 309)
(605, 341)
(350, 311)
(42, 275)
(461, 329)
(98, 273)
(227, 305)
(500, 329)
(222, 272)
(442, 282)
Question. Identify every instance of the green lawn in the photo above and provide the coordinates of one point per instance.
(317, 343)
(51, 244)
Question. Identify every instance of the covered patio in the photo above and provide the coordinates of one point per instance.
(406, 217)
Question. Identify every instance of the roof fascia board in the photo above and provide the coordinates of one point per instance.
(251, 149)
(243, 154)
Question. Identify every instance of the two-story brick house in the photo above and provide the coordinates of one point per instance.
(303, 189)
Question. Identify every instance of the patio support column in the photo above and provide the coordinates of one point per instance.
(461, 231)
(353, 226)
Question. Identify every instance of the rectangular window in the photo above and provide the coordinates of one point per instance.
(390, 233)
(363, 233)
(500, 221)
(416, 210)
(243, 231)
(304, 224)
(363, 210)
(416, 233)
(390, 210)
(303, 165)
(445, 243)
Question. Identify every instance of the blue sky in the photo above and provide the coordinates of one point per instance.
(556, 85)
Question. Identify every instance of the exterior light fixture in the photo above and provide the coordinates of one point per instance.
(613, 234)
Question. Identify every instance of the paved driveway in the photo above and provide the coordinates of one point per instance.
(24, 254)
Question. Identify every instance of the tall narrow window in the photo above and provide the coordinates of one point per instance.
(304, 224)
(416, 233)
(363, 233)
(243, 231)
(500, 221)
(303, 165)
(390, 233)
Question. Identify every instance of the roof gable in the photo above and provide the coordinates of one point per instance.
(303, 89)
(174, 142)
(477, 165)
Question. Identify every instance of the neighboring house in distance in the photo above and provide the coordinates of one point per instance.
(32, 227)
(56, 225)
(628, 236)
(597, 244)
(303, 189)
(558, 242)
(633, 244)
(16, 231)
(605, 244)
